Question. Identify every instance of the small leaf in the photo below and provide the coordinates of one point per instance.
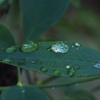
(54, 59)
(6, 38)
(39, 15)
(23, 93)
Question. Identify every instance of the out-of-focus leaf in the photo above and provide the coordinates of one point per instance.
(23, 93)
(80, 95)
(39, 15)
(78, 61)
(6, 38)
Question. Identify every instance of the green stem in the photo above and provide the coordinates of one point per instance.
(19, 77)
(49, 79)
(68, 84)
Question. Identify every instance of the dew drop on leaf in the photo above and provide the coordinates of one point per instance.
(97, 65)
(10, 49)
(33, 61)
(67, 66)
(51, 65)
(60, 47)
(77, 44)
(56, 72)
(44, 69)
(71, 72)
(6, 60)
(23, 91)
(29, 46)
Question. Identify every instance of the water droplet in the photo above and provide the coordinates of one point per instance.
(60, 47)
(77, 45)
(44, 69)
(33, 61)
(51, 65)
(71, 72)
(6, 60)
(56, 72)
(67, 66)
(29, 47)
(97, 65)
(23, 91)
(10, 49)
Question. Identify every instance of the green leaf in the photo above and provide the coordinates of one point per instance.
(39, 15)
(80, 95)
(1, 1)
(78, 61)
(6, 38)
(23, 93)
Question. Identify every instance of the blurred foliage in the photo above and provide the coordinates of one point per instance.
(79, 95)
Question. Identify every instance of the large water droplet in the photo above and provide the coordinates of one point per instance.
(71, 72)
(97, 65)
(29, 47)
(77, 44)
(44, 69)
(67, 66)
(10, 49)
(60, 47)
(6, 60)
(56, 72)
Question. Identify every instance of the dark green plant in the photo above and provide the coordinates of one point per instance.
(56, 58)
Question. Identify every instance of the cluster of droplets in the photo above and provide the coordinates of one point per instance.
(60, 47)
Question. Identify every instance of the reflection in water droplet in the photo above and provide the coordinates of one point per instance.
(60, 47)
(23, 91)
(67, 66)
(56, 72)
(29, 47)
(33, 61)
(10, 49)
(44, 69)
(97, 65)
(77, 45)
(6, 60)
(71, 72)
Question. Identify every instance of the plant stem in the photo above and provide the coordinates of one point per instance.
(48, 79)
(19, 77)
(68, 84)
